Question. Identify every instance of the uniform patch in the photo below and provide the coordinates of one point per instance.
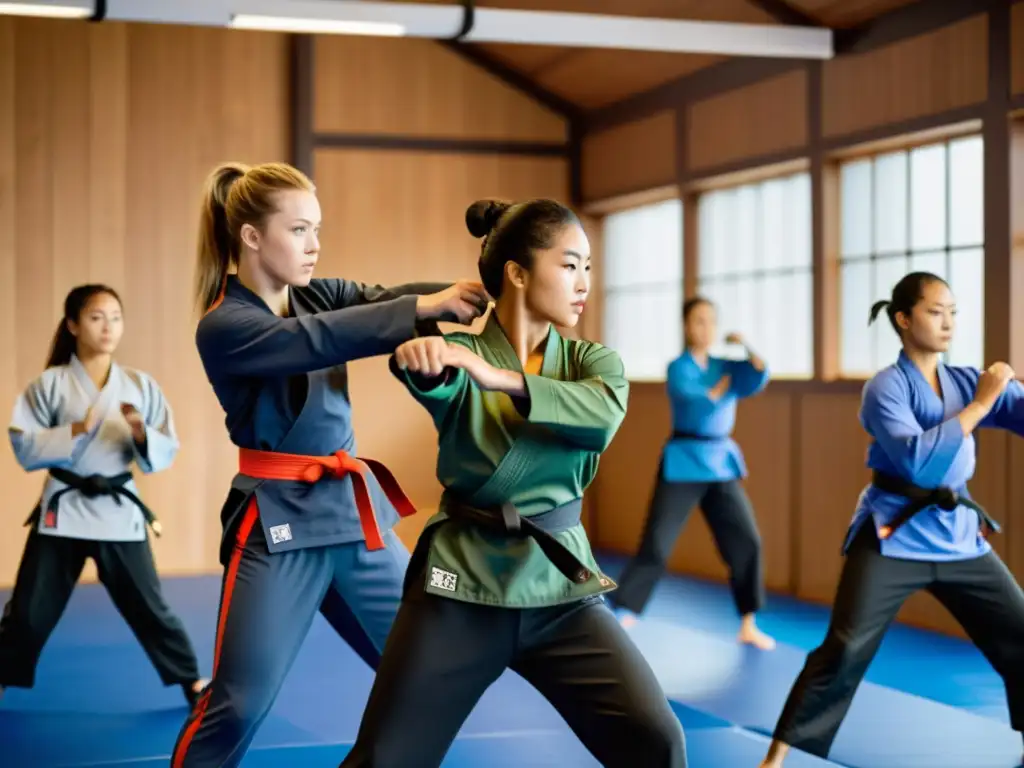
(280, 533)
(442, 579)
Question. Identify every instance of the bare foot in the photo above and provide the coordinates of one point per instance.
(750, 635)
(776, 754)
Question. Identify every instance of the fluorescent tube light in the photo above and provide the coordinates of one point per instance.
(315, 26)
(48, 11)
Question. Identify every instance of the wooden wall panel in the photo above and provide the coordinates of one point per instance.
(921, 76)
(630, 157)
(413, 87)
(761, 119)
(386, 230)
(101, 163)
(831, 477)
(1017, 47)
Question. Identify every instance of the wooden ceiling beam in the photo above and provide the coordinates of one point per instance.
(908, 21)
(784, 13)
(475, 55)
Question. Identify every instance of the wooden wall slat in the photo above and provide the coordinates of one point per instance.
(757, 120)
(101, 164)
(418, 88)
(630, 157)
(924, 75)
(1017, 47)
(10, 320)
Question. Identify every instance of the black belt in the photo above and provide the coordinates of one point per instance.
(506, 521)
(922, 498)
(676, 435)
(92, 486)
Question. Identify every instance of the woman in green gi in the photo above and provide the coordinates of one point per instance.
(503, 576)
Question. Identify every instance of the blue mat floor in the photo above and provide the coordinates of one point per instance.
(928, 700)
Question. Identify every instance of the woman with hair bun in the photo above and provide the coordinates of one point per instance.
(503, 576)
(915, 527)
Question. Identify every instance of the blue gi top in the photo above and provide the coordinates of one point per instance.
(917, 436)
(283, 385)
(694, 413)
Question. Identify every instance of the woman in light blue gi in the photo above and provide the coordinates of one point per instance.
(915, 526)
(702, 465)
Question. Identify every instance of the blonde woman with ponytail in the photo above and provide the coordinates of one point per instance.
(307, 525)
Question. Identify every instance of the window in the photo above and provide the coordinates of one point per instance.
(909, 211)
(643, 287)
(755, 265)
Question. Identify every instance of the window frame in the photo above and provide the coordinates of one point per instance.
(601, 210)
(757, 177)
(943, 136)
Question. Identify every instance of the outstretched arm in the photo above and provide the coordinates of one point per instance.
(245, 340)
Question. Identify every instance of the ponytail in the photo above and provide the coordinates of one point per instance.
(905, 295)
(877, 308)
(62, 347)
(64, 342)
(235, 194)
(217, 251)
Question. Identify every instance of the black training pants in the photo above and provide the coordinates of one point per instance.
(981, 593)
(731, 518)
(49, 570)
(443, 654)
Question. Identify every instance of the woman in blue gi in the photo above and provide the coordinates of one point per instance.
(915, 526)
(84, 421)
(307, 524)
(702, 465)
(503, 576)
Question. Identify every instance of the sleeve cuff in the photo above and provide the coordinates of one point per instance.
(540, 404)
(440, 387)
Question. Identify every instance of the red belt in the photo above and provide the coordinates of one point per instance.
(267, 465)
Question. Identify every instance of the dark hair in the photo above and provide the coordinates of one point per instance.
(513, 233)
(905, 295)
(64, 343)
(692, 303)
(235, 194)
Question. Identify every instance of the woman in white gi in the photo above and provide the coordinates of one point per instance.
(84, 421)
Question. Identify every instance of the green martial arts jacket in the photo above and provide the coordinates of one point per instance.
(539, 453)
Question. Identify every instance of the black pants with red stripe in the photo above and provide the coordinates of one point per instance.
(50, 569)
(268, 604)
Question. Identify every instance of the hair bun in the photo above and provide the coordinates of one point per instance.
(482, 215)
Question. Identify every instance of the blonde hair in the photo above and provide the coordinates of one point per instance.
(236, 194)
